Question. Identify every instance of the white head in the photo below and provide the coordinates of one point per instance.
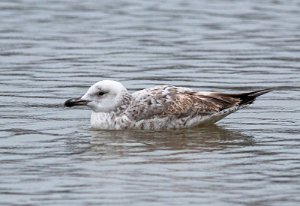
(104, 96)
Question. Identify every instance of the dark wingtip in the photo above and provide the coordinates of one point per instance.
(249, 97)
(260, 92)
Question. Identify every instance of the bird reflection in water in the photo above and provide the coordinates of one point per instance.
(115, 144)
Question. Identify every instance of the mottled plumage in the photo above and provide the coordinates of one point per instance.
(161, 107)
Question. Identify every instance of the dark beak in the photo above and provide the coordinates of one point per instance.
(75, 102)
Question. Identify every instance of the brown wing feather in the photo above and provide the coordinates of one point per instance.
(177, 101)
(196, 103)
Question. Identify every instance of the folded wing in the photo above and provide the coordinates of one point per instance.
(160, 102)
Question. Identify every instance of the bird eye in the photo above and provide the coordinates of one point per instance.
(101, 93)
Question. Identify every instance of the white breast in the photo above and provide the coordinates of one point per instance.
(101, 120)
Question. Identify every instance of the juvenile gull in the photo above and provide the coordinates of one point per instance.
(161, 107)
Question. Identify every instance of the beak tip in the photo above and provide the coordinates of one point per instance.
(68, 103)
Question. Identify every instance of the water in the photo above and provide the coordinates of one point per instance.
(54, 50)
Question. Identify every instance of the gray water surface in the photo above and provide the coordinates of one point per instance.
(54, 50)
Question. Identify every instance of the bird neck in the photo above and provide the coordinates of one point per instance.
(126, 99)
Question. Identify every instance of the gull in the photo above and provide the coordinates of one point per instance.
(158, 108)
